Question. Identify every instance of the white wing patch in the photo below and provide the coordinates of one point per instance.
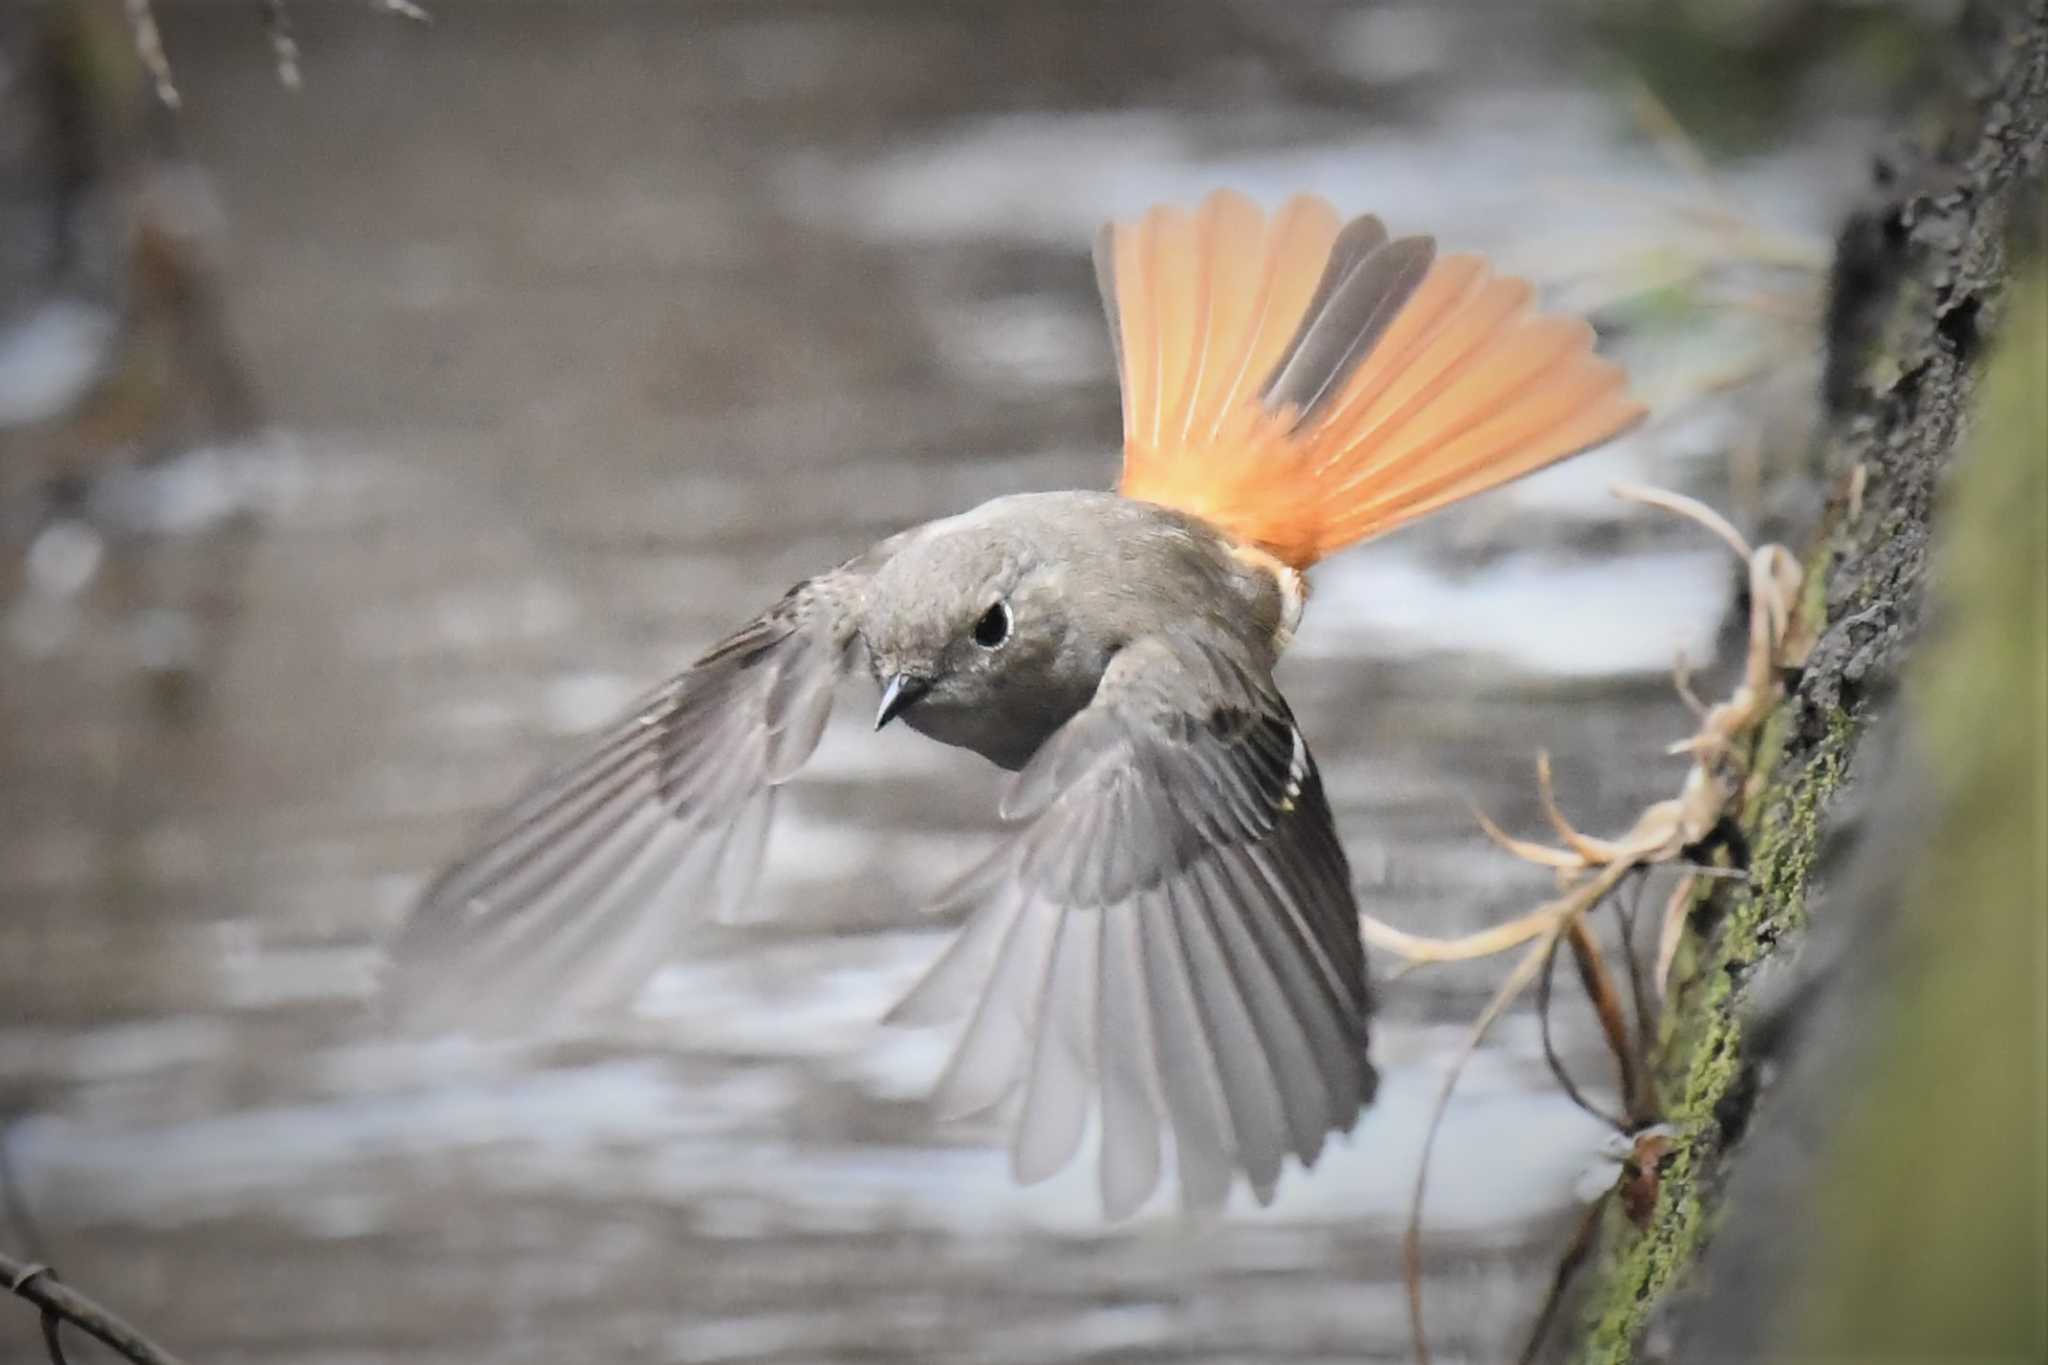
(1297, 769)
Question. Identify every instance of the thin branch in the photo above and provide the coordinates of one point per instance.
(1415, 948)
(1681, 679)
(277, 25)
(1589, 850)
(1669, 137)
(1638, 982)
(1558, 1071)
(149, 47)
(53, 1338)
(1607, 1005)
(14, 1197)
(60, 1302)
(1671, 931)
(1411, 1240)
(1665, 833)
(1568, 1266)
(1560, 914)
(1691, 508)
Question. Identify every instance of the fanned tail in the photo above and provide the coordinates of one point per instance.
(1302, 383)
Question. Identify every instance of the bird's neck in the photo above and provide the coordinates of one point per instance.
(1291, 582)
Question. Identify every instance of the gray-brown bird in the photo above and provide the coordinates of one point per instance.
(1168, 936)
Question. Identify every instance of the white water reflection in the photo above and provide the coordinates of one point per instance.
(1589, 184)
(1537, 613)
(1510, 1150)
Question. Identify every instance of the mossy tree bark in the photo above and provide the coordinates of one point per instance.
(1920, 291)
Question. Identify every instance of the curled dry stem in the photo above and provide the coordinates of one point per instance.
(1558, 915)
(1558, 1070)
(1590, 868)
(1636, 1096)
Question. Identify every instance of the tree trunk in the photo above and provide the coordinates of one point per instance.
(1811, 1202)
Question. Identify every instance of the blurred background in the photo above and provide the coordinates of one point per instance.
(363, 443)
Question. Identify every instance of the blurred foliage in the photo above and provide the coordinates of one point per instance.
(1936, 1195)
(1735, 72)
(93, 42)
(133, 230)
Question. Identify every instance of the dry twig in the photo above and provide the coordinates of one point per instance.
(36, 1282)
(60, 1303)
(1591, 868)
(149, 48)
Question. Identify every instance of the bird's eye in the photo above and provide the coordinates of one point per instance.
(994, 626)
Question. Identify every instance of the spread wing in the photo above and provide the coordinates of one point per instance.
(1170, 938)
(572, 896)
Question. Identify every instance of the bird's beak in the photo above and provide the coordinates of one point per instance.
(898, 695)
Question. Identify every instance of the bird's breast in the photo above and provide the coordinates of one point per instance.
(1007, 735)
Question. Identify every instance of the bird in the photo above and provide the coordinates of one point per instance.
(1164, 942)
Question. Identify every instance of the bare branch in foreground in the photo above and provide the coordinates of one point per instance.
(60, 1303)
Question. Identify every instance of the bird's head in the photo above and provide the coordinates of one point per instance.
(972, 637)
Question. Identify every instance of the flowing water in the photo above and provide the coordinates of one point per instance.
(581, 331)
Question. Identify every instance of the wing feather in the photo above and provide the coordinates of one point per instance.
(1257, 1113)
(574, 893)
(951, 986)
(1063, 1063)
(1204, 1141)
(1319, 1010)
(1178, 946)
(993, 1054)
(1130, 1111)
(1296, 1073)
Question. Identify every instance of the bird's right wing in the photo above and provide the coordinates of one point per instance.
(572, 896)
(1169, 937)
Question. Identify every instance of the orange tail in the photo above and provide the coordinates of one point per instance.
(1302, 384)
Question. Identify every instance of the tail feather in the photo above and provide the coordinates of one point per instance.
(1512, 442)
(1246, 307)
(1303, 384)
(1359, 239)
(1203, 308)
(1421, 377)
(1350, 322)
(1512, 367)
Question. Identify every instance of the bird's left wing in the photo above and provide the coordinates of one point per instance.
(1170, 938)
(572, 896)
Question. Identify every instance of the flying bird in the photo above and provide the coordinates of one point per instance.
(1166, 938)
